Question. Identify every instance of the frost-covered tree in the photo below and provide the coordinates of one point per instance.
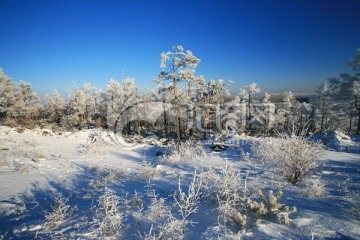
(82, 105)
(302, 112)
(266, 118)
(181, 68)
(114, 99)
(121, 103)
(75, 108)
(267, 97)
(29, 103)
(103, 108)
(347, 88)
(130, 101)
(54, 107)
(98, 105)
(164, 95)
(8, 95)
(17, 101)
(288, 103)
(324, 104)
(247, 94)
(213, 96)
(89, 103)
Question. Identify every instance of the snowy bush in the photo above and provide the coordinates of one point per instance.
(60, 211)
(187, 149)
(147, 170)
(103, 176)
(314, 188)
(188, 202)
(98, 181)
(239, 203)
(158, 208)
(115, 174)
(108, 219)
(293, 157)
(245, 156)
(95, 137)
(171, 229)
(95, 144)
(131, 201)
(271, 206)
(230, 191)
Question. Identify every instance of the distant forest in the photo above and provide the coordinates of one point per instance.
(184, 105)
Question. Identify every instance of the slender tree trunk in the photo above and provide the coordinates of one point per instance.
(165, 122)
(176, 113)
(322, 122)
(358, 108)
(249, 117)
(138, 129)
(358, 125)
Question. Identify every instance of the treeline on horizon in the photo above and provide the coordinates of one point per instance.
(197, 109)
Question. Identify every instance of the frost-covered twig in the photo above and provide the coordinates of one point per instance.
(60, 211)
(188, 202)
(158, 207)
(108, 218)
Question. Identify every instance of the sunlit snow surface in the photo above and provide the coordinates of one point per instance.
(36, 166)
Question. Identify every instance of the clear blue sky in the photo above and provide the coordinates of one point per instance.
(282, 45)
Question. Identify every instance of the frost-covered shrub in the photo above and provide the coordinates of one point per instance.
(98, 181)
(103, 176)
(245, 156)
(115, 174)
(231, 211)
(314, 188)
(94, 145)
(293, 157)
(171, 229)
(187, 149)
(95, 137)
(147, 170)
(238, 201)
(108, 219)
(158, 208)
(132, 200)
(271, 206)
(60, 211)
(188, 201)
(230, 191)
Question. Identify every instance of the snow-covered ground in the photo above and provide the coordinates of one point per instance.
(53, 186)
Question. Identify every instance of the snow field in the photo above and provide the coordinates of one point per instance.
(86, 185)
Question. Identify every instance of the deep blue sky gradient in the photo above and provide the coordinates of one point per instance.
(282, 45)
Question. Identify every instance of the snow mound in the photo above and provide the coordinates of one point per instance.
(336, 140)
